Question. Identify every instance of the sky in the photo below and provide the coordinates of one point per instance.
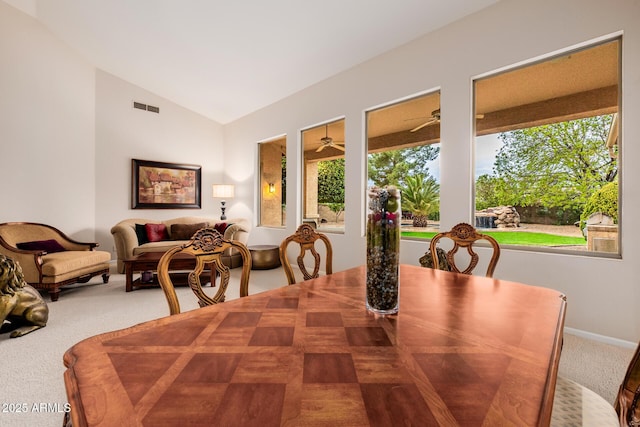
(486, 149)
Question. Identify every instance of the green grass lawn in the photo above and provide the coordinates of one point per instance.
(521, 238)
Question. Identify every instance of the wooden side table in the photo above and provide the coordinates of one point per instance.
(264, 257)
(149, 262)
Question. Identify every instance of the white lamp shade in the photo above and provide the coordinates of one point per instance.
(223, 191)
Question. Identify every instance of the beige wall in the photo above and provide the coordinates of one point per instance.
(271, 173)
(602, 293)
(175, 135)
(47, 128)
(310, 195)
(68, 133)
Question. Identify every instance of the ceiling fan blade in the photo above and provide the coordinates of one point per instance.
(338, 147)
(427, 123)
(479, 116)
(320, 148)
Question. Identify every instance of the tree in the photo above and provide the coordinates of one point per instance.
(331, 181)
(393, 166)
(486, 192)
(331, 185)
(555, 166)
(420, 196)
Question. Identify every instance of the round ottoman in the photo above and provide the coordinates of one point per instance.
(264, 257)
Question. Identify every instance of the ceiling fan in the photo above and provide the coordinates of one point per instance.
(327, 141)
(435, 118)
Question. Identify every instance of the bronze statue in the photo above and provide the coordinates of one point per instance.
(20, 304)
(427, 261)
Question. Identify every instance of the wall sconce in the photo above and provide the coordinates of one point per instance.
(272, 187)
(223, 191)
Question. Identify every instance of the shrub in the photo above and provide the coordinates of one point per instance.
(604, 200)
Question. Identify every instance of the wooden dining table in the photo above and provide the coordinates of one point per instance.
(462, 350)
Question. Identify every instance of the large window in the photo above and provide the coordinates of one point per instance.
(323, 176)
(403, 144)
(272, 183)
(546, 171)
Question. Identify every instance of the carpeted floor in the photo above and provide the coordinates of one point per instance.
(598, 366)
(32, 377)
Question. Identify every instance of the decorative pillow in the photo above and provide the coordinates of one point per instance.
(231, 230)
(185, 231)
(220, 227)
(141, 232)
(157, 232)
(49, 246)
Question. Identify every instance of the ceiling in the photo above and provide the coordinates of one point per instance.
(226, 59)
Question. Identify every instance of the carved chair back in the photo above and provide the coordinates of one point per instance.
(307, 238)
(464, 236)
(207, 247)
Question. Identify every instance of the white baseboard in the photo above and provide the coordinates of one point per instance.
(601, 338)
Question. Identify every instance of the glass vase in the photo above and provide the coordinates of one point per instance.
(383, 250)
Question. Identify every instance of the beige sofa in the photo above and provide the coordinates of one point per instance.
(128, 244)
(49, 259)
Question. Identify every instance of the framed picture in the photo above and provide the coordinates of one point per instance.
(157, 185)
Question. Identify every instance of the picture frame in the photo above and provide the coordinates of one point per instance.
(160, 185)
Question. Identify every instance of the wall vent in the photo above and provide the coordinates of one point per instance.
(141, 106)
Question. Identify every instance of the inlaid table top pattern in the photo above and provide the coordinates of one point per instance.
(463, 350)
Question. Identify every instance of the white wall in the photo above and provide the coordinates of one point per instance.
(175, 135)
(68, 133)
(602, 294)
(47, 143)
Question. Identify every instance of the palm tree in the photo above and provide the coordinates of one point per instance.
(420, 196)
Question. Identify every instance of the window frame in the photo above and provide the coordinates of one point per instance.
(436, 92)
(323, 129)
(559, 56)
(262, 184)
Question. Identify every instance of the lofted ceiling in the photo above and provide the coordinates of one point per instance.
(225, 59)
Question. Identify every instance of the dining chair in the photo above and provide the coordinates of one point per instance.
(307, 238)
(575, 404)
(464, 236)
(207, 246)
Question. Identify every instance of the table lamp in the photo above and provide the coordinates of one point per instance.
(223, 191)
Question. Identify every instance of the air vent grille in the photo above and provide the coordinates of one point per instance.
(141, 106)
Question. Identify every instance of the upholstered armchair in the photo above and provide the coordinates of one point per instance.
(49, 258)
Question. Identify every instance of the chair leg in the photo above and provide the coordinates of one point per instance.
(105, 278)
(54, 294)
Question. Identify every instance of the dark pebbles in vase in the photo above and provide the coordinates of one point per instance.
(383, 250)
